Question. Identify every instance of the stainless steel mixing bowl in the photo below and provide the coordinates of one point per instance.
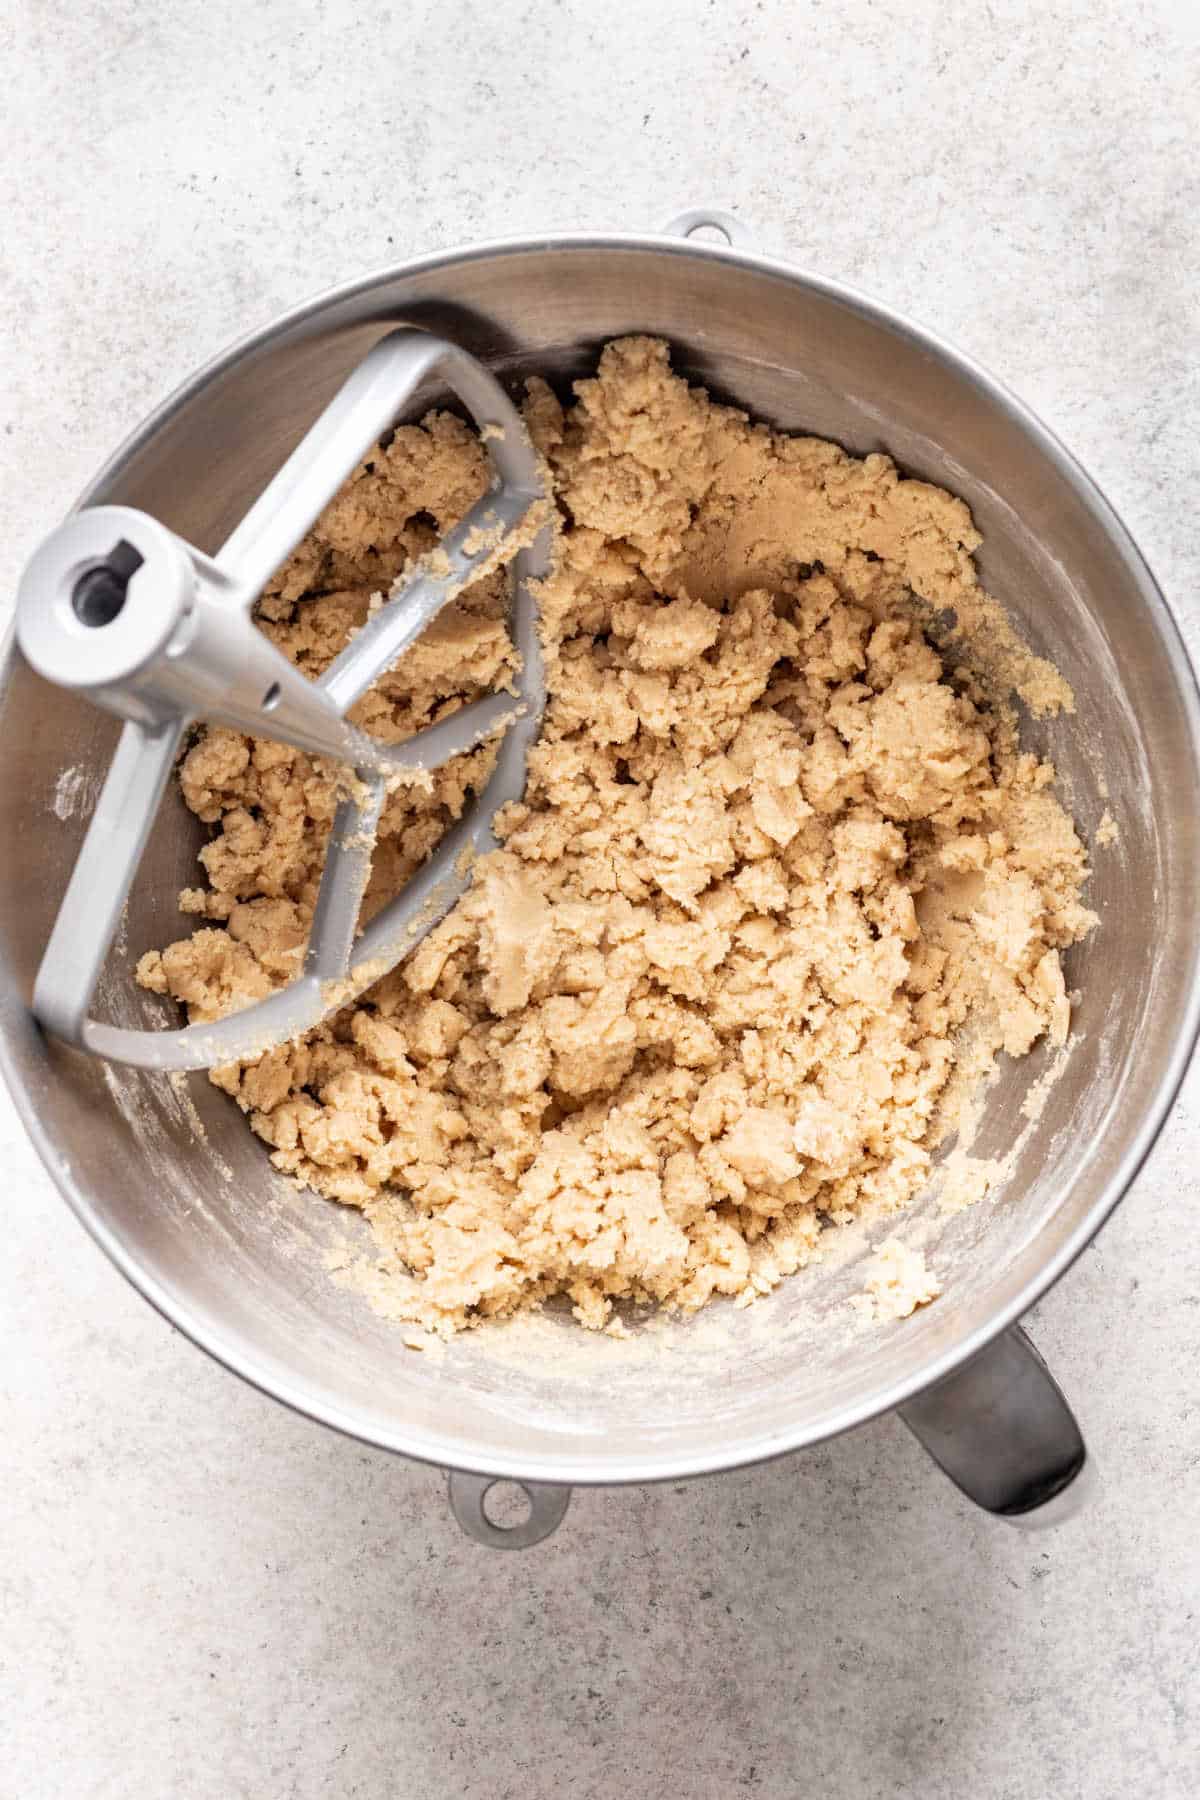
(236, 1258)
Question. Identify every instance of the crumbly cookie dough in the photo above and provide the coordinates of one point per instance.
(774, 865)
(899, 1280)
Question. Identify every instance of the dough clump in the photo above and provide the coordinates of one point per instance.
(775, 863)
(899, 1280)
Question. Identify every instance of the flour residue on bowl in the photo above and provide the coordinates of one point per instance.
(75, 792)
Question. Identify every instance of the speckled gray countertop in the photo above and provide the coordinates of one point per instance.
(204, 1596)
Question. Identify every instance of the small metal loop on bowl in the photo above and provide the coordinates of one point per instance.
(699, 218)
(468, 1496)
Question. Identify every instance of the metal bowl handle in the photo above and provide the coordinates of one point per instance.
(1002, 1431)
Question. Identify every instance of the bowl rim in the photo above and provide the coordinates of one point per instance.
(269, 1374)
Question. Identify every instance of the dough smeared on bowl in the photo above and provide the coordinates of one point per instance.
(773, 865)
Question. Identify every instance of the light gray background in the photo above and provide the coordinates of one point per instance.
(204, 1596)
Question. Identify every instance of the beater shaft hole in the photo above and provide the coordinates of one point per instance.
(99, 594)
